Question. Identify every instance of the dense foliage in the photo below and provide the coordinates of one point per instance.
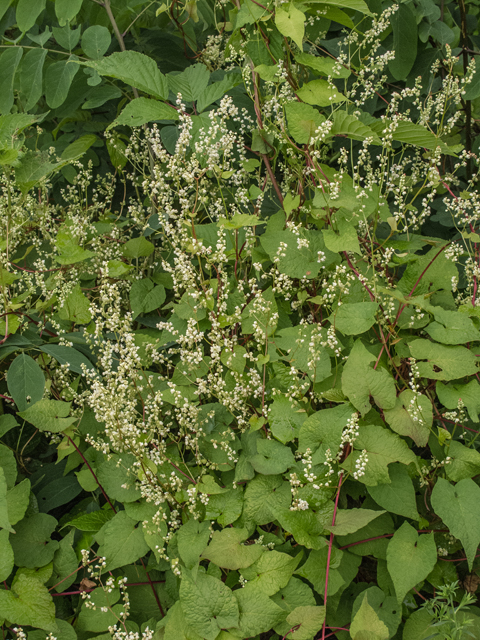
(240, 320)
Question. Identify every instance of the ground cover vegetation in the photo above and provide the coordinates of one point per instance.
(240, 319)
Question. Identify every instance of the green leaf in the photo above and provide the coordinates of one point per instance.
(452, 327)
(410, 558)
(234, 359)
(385, 607)
(75, 307)
(360, 381)
(137, 248)
(49, 415)
(271, 458)
(6, 556)
(344, 237)
(4, 521)
(315, 569)
(325, 66)
(263, 492)
(450, 394)
(135, 69)
(285, 419)
(405, 41)
(239, 221)
(465, 462)
(58, 79)
(65, 564)
(208, 604)
(226, 549)
(355, 5)
(459, 508)
(32, 169)
(258, 613)
(382, 447)
(410, 133)
(9, 61)
(66, 10)
(28, 12)
(4, 5)
(18, 499)
(25, 381)
(355, 317)
(217, 90)
(28, 602)
(290, 21)
(366, 625)
(95, 618)
(442, 362)
(320, 93)
(398, 496)
(191, 83)
(91, 521)
(271, 572)
(351, 520)
(192, 539)
(323, 430)
(68, 356)
(307, 621)
(30, 75)
(121, 541)
(348, 125)
(31, 542)
(412, 416)
(142, 110)
(117, 476)
(305, 526)
(145, 297)
(77, 149)
(303, 120)
(95, 41)
(66, 37)
(9, 465)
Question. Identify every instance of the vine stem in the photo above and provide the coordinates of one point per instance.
(330, 545)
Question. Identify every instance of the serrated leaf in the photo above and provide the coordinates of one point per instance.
(459, 508)
(135, 69)
(142, 110)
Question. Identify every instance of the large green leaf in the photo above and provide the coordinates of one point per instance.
(208, 604)
(382, 447)
(321, 93)
(66, 10)
(191, 83)
(290, 21)
(459, 508)
(28, 603)
(452, 327)
(65, 564)
(25, 381)
(450, 394)
(398, 496)
(192, 538)
(6, 556)
(354, 317)
(122, 542)
(28, 12)
(325, 66)
(410, 558)
(366, 625)
(348, 125)
(95, 41)
(350, 520)
(285, 419)
(9, 61)
(31, 542)
(303, 120)
(18, 498)
(385, 607)
(58, 80)
(306, 621)
(226, 549)
(464, 463)
(411, 416)
(440, 362)
(258, 613)
(30, 75)
(135, 69)
(410, 133)
(404, 41)
(75, 360)
(49, 415)
(143, 110)
(272, 571)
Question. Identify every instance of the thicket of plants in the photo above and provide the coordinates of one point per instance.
(239, 319)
